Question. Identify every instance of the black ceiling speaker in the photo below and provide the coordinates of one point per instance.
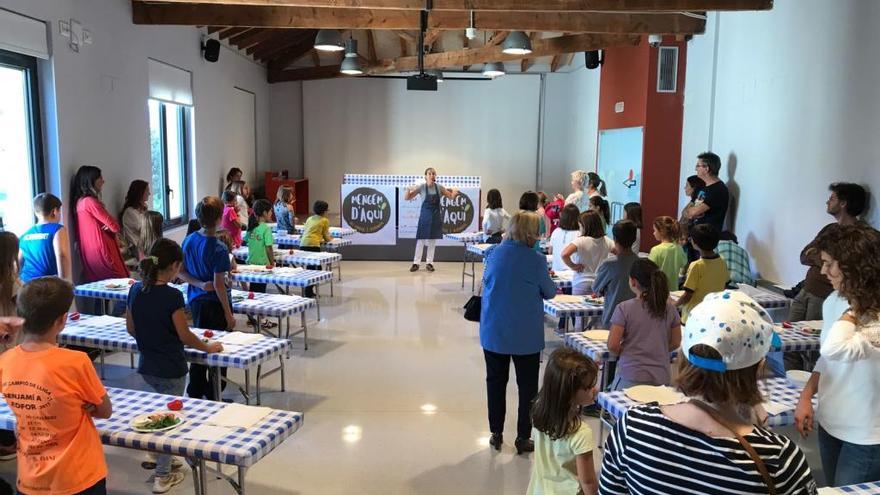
(592, 60)
(211, 47)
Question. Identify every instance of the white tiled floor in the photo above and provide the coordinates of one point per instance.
(392, 343)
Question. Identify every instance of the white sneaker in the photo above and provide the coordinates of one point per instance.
(162, 484)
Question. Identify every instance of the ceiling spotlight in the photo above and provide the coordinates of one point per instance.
(329, 40)
(517, 43)
(493, 69)
(351, 66)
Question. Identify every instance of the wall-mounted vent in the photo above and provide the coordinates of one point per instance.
(667, 69)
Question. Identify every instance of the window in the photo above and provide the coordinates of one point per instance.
(20, 141)
(169, 153)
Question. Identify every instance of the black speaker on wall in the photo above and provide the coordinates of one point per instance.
(592, 59)
(211, 47)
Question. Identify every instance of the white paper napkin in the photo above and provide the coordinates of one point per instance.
(104, 321)
(208, 433)
(238, 416)
(240, 338)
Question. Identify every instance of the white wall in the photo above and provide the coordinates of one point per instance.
(286, 128)
(795, 108)
(100, 96)
(467, 127)
(486, 128)
(571, 126)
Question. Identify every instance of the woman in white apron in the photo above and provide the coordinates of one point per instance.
(430, 219)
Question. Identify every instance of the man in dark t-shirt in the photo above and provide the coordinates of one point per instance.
(846, 203)
(711, 205)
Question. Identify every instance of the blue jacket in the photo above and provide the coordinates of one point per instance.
(515, 283)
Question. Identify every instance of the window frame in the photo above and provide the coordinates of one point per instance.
(185, 155)
(33, 115)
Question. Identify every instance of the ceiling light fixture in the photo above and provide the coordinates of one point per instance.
(329, 40)
(517, 43)
(493, 69)
(351, 66)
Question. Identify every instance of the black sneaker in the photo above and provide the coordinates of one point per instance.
(414, 268)
(429, 267)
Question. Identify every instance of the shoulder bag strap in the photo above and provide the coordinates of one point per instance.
(759, 463)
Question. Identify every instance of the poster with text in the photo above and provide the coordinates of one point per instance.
(460, 214)
(369, 210)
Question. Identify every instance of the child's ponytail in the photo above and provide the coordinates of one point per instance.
(655, 288)
(261, 206)
(163, 253)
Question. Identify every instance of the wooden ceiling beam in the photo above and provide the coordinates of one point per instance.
(527, 62)
(252, 37)
(230, 32)
(512, 5)
(486, 54)
(465, 43)
(307, 74)
(282, 38)
(329, 18)
(270, 50)
(280, 59)
(371, 48)
(404, 47)
(214, 29)
(497, 38)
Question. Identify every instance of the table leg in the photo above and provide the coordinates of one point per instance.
(102, 363)
(281, 362)
(247, 385)
(216, 379)
(131, 358)
(241, 472)
(194, 465)
(259, 375)
(202, 477)
(463, 265)
(339, 267)
(305, 333)
(473, 273)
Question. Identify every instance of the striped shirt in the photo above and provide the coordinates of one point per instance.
(647, 453)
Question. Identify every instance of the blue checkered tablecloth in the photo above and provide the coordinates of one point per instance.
(335, 232)
(467, 238)
(765, 298)
(559, 309)
(295, 257)
(872, 488)
(301, 278)
(91, 331)
(479, 248)
(241, 447)
(457, 181)
(774, 389)
(597, 350)
(292, 240)
(273, 305)
(796, 339)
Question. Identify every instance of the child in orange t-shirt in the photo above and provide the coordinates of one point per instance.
(54, 394)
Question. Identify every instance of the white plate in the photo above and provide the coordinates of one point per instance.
(798, 378)
(145, 417)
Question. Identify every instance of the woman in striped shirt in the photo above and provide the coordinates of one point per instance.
(713, 443)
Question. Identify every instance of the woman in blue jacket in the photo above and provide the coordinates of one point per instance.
(515, 283)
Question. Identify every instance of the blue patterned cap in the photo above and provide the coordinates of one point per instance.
(733, 324)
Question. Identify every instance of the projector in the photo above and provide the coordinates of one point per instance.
(421, 82)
